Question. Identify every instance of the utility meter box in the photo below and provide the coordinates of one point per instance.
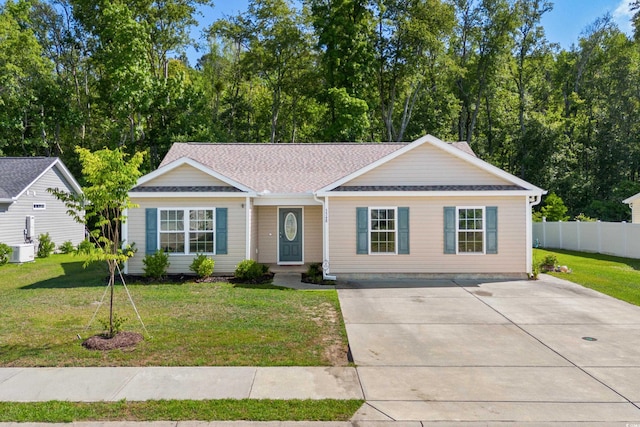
(29, 228)
(23, 253)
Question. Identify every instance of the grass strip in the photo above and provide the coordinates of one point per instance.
(181, 410)
(614, 276)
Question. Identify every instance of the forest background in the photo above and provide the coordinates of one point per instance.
(114, 73)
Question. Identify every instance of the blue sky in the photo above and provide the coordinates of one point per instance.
(563, 25)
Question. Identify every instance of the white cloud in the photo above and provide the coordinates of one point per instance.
(622, 16)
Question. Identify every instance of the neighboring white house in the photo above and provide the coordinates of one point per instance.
(27, 209)
(426, 208)
(634, 204)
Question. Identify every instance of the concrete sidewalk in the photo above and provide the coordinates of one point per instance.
(198, 383)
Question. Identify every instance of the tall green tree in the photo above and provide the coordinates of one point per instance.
(411, 57)
(345, 35)
(25, 76)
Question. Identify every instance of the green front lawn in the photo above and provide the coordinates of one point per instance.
(611, 275)
(181, 410)
(46, 304)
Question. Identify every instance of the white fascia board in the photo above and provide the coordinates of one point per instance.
(187, 161)
(76, 186)
(631, 199)
(174, 195)
(487, 193)
(8, 200)
(285, 199)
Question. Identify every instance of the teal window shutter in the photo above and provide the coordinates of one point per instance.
(151, 226)
(449, 230)
(403, 230)
(362, 228)
(221, 231)
(492, 229)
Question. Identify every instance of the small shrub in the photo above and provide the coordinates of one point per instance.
(250, 270)
(314, 273)
(202, 265)
(156, 265)
(535, 271)
(66, 248)
(584, 218)
(85, 247)
(5, 253)
(118, 323)
(549, 262)
(45, 245)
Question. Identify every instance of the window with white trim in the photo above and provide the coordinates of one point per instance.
(39, 206)
(382, 230)
(187, 231)
(470, 229)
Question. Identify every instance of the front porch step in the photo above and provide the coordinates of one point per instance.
(289, 280)
(288, 268)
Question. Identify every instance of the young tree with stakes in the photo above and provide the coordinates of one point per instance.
(109, 175)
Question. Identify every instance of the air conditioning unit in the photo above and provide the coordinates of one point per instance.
(22, 253)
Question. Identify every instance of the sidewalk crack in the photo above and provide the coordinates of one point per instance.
(253, 381)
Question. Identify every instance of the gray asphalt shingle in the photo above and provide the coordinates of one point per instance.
(16, 173)
(282, 168)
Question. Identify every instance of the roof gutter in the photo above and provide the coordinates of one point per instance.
(11, 200)
(325, 237)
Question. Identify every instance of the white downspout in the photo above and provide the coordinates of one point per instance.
(248, 218)
(325, 237)
(532, 201)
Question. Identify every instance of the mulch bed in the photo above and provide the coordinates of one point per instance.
(121, 340)
(183, 278)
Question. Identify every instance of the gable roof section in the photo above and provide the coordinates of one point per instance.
(167, 166)
(281, 168)
(631, 199)
(459, 150)
(17, 174)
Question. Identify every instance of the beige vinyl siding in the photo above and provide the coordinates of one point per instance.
(268, 234)
(312, 234)
(254, 231)
(427, 165)
(426, 225)
(185, 175)
(180, 263)
(53, 219)
(635, 212)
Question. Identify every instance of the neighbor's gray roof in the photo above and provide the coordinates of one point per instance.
(17, 173)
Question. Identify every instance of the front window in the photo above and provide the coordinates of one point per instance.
(382, 229)
(195, 226)
(470, 230)
(201, 231)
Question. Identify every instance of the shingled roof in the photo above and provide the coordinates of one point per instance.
(285, 168)
(17, 173)
(282, 168)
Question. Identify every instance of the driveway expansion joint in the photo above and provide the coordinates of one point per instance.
(548, 347)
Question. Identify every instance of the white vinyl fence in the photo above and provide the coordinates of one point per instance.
(612, 238)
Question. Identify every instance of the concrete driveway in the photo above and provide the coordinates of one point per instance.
(482, 352)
